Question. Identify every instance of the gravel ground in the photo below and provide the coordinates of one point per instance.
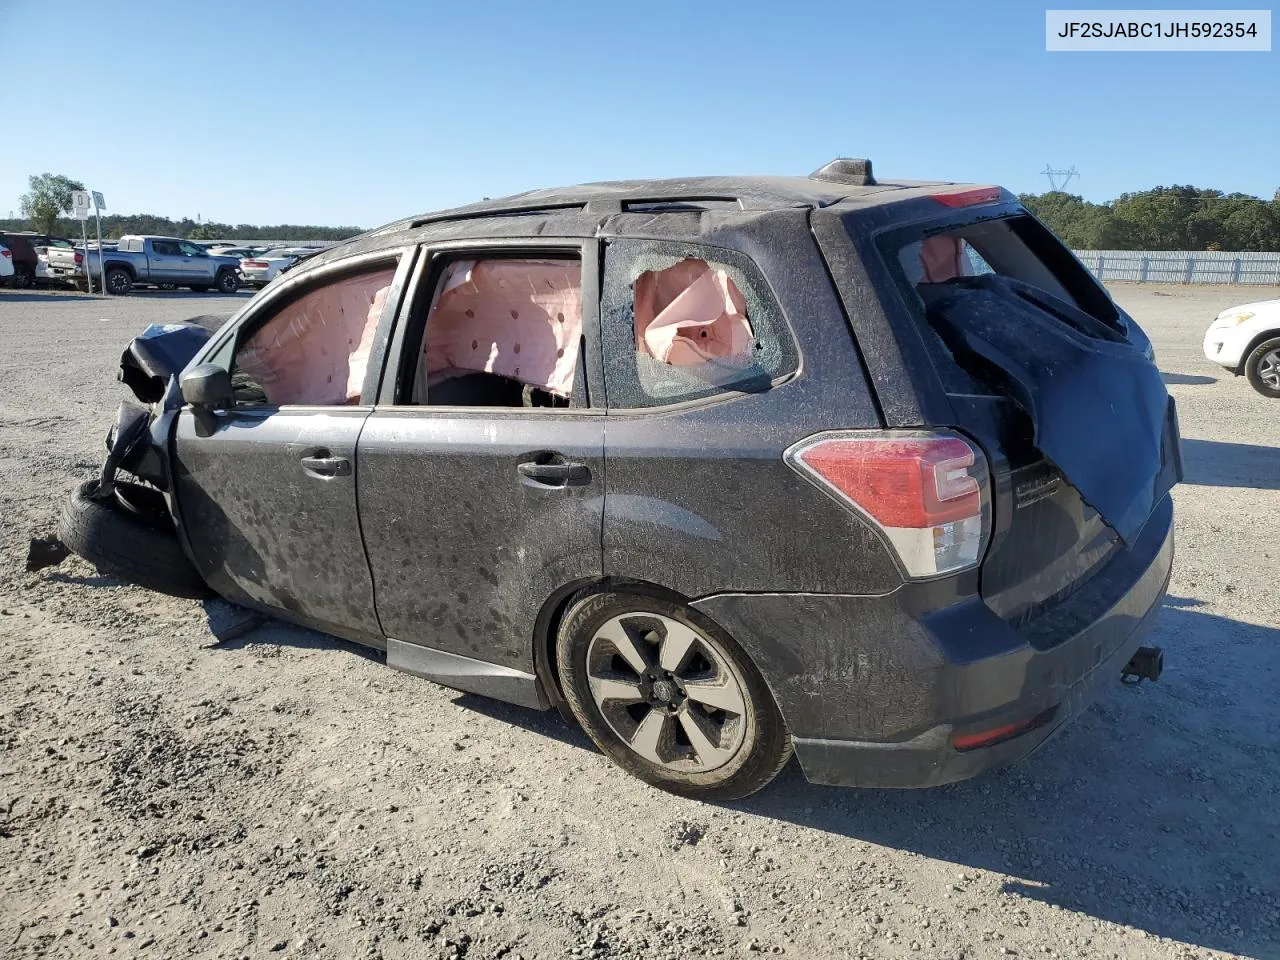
(286, 794)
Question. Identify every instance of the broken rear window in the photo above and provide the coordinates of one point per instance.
(925, 260)
(683, 321)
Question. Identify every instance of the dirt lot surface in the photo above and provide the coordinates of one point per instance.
(288, 795)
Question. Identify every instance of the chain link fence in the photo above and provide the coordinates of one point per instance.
(1182, 266)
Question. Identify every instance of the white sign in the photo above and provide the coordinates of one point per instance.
(80, 204)
(98, 203)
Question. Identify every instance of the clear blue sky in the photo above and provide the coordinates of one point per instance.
(361, 112)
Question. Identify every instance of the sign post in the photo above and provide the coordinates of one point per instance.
(80, 204)
(98, 206)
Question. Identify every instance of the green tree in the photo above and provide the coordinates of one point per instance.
(49, 198)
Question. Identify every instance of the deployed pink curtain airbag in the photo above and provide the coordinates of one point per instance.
(943, 258)
(690, 313)
(517, 318)
(315, 350)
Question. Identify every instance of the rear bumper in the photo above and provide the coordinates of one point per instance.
(876, 700)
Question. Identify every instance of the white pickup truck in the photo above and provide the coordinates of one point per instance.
(158, 261)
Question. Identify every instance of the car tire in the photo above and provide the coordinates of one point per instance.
(629, 665)
(24, 278)
(199, 288)
(130, 536)
(1263, 368)
(119, 282)
(228, 283)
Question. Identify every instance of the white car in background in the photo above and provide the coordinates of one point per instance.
(260, 270)
(1246, 340)
(6, 265)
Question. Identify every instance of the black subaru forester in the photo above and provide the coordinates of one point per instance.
(724, 468)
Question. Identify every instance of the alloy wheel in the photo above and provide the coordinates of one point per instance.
(667, 691)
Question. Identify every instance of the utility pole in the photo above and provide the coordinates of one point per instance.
(1058, 179)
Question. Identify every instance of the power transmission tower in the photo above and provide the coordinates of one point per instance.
(1056, 184)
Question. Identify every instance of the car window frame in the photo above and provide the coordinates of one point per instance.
(756, 276)
(221, 348)
(408, 327)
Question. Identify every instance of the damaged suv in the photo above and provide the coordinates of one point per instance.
(723, 468)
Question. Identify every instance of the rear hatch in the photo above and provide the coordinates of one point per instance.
(1038, 365)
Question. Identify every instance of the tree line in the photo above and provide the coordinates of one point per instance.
(48, 199)
(1165, 218)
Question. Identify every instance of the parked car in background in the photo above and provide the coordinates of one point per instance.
(25, 259)
(261, 269)
(6, 266)
(159, 261)
(1246, 340)
(241, 252)
(721, 467)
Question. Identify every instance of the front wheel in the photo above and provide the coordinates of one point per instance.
(1263, 368)
(24, 278)
(669, 696)
(119, 282)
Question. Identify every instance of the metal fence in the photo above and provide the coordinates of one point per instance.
(1182, 266)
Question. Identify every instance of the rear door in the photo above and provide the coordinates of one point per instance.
(266, 490)
(165, 261)
(482, 467)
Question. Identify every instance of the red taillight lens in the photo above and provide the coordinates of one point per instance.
(6, 253)
(79, 259)
(926, 492)
(253, 263)
(989, 738)
(968, 198)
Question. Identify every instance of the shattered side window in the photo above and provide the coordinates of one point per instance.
(315, 349)
(682, 322)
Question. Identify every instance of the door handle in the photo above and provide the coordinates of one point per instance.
(327, 466)
(563, 474)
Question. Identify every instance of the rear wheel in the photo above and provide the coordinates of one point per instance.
(119, 282)
(669, 696)
(24, 277)
(1263, 368)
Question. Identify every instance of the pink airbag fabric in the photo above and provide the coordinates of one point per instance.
(943, 258)
(517, 318)
(315, 350)
(689, 314)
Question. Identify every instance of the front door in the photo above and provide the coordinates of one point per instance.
(197, 265)
(481, 480)
(266, 490)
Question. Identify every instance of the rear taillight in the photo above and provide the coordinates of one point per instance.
(927, 492)
(968, 198)
(6, 253)
(253, 263)
(79, 258)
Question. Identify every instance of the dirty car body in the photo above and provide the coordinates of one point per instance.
(851, 470)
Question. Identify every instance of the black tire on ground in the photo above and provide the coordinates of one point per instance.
(119, 282)
(130, 538)
(228, 282)
(1263, 368)
(24, 278)
(199, 288)
(765, 743)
